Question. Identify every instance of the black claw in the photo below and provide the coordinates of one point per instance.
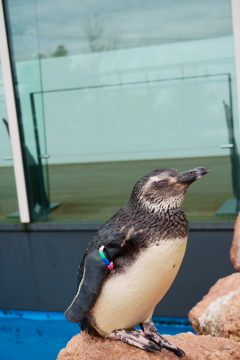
(148, 349)
(155, 347)
(179, 352)
(159, 344)
(148, 336)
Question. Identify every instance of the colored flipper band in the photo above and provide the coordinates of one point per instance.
(108, 263)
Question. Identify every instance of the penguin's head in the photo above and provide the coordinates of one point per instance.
(165, 188)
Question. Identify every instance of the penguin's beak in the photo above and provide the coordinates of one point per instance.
(187, 177)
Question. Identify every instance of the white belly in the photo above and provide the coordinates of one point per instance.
(129, 298)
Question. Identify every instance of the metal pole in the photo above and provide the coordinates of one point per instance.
(236, 38)
(13, 121)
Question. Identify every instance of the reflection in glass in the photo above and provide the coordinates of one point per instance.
(32, 140)
(113, 90)
(74, 28)
(8, 196)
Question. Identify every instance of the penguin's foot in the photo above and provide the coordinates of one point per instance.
(150, 329)
(136, 338)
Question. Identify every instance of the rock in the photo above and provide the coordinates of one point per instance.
(86, 347)
(218, 313)
(235, 248)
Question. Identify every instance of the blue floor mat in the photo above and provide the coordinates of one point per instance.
(38, 335)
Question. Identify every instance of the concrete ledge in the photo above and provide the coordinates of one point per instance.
(211, 225)
(12, 227)
(95, 226)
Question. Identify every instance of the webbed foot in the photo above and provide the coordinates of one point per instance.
(136, 338)
(149, 328)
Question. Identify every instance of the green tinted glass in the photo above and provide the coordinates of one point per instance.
(122, 88)
(23, 36)
(8, 196)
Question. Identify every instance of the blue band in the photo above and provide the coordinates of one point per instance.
(106, 261)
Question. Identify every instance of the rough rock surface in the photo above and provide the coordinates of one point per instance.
(235, 248)
(218, 313)
(86, 347)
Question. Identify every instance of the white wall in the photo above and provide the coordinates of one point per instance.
(145, 120)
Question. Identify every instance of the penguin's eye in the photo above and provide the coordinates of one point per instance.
(161, 183)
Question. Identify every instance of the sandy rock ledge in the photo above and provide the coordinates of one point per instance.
(235, 248)
(218, 313)
(86, 347)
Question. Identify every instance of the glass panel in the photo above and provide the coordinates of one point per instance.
(195, 127)
(23, 39)
(132, 86)
(127, 87)
(8, 196)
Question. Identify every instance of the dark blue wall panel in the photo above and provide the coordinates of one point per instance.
(39, 268)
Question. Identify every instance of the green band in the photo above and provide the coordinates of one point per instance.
(102, 254)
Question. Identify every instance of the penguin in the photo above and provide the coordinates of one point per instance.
(132, 261)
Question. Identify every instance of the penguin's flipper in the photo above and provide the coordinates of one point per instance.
(89, 288)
